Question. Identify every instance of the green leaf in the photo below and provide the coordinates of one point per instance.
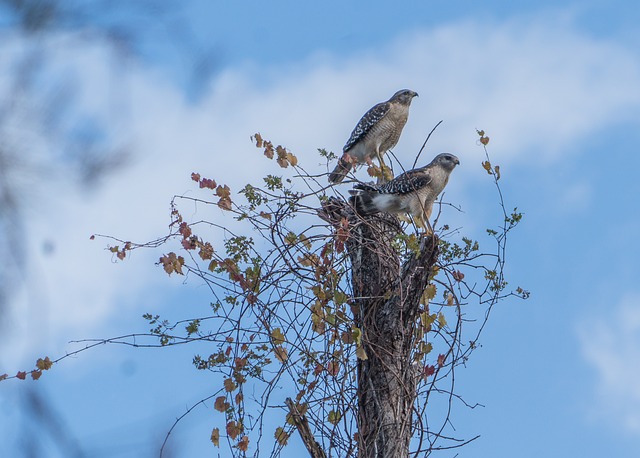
(334, 417)
(339, 297)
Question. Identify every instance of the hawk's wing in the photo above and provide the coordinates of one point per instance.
(409, 181)
(370, 119)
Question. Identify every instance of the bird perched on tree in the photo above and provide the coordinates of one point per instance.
(377, 132)
(413, 192)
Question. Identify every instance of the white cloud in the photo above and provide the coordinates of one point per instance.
(611, 344)
(537, 89)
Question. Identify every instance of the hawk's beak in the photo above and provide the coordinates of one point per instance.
(415, 94)
(456, 161)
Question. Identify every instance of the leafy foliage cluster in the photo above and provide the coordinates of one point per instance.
(280, 324)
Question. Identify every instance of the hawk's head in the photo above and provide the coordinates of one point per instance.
(447, 161)
(403, 96)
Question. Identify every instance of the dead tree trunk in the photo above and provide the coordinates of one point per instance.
(387, 293)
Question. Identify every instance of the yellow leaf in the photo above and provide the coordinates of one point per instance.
(450, 299)
(361, 354)
(44, 364)
(374, 171)
(487, 166)
(290, 238)
(281, 436)
(442, 321)
(277, 336)
(281, 354)
(356, 332)
(215, 437)
(425, 348)
(305, 241)
(427, 319)
(229, 386)
(429, 293)
(387, 173)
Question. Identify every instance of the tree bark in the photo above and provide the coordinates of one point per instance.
(387, 295)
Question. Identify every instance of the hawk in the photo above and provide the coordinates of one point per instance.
(413, 192)
(377, 132)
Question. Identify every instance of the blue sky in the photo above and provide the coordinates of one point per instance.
(556, 85)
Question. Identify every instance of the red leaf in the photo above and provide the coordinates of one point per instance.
(346, 157)
(233, 429)
(221, 404)
(240, 362)
(229, 386)
(429, 371)
(223, 191)
(244, 443)
(184, 230)
(268, 149)
(195, 176)
(207, 183)
(258, 139)
(172, 263)
(21, 375)
(224, 203)
(333, 368)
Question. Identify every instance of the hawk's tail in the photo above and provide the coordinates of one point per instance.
(341, 171)
(362, 200)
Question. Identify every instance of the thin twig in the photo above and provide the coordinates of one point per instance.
(425, 144)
